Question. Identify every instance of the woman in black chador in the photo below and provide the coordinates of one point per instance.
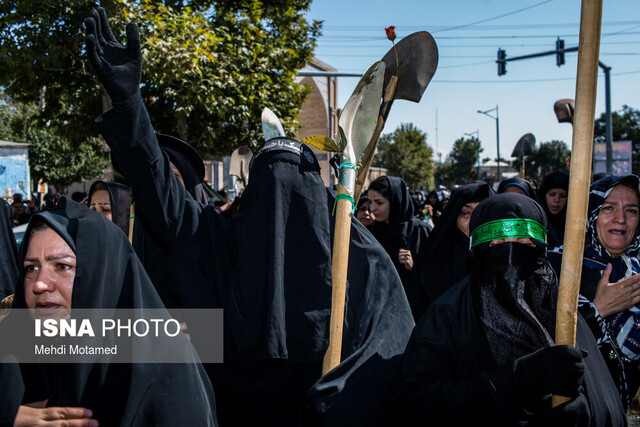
(483, 353)
(112, 200)
(517, 185)
(552, 196)
(446, 259)
(75, 258)
(401, 234)
(269, 267)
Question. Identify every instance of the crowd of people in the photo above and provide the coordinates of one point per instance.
(450, 305)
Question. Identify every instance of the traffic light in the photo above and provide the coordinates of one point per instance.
(559, 52)
(502, 65)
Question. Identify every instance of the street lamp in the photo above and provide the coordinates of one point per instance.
(497, 119)
(477, 134)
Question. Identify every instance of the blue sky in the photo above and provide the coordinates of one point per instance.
(468, 34)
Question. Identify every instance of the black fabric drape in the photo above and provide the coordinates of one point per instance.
(446, 259)
(269, 268)
(450, 377)
(109, 275)
(403, 231)
(9, 260)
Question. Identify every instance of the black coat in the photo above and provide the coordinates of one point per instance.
(9, 264)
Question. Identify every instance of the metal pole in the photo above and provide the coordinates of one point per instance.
(498, 139)
(608, 124)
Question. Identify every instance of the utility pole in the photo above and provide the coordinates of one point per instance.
(477, 134)
(497, 119)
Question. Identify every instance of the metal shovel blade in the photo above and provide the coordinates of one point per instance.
(525, 146)
(360, 113)
(564, 109)
(416, 65)
(271, 126)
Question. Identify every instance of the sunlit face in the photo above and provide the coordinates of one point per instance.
(465, 216)
(556, 200)
(364, 214)
(175, 170)
(50, 267)
(379, 206)
(617, 222)
(101, 203)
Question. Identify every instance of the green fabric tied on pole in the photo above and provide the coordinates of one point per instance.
(344, 196)
(511, 228)
(348, 165)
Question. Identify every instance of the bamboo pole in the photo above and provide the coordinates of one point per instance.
(580, 175)
(132, 218)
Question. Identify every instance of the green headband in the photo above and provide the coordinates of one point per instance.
(508, 228)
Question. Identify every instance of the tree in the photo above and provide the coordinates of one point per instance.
(405, 153)
(210, 65)
(626, 127)
(547, 157)
(51, 157)
(461, 164)
(58, 162)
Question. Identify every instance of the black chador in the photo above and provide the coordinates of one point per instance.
(8, 252)
(109, 275)
(483, 353)
(446, 259)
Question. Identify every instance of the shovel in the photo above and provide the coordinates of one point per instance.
(524, 147)
(239, 163)
(564, 109)
(406, 77)
(357, 123)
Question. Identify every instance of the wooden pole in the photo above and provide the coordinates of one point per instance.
(580, 175)
(339, 267)
(132, 218)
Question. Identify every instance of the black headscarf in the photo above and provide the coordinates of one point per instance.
(109, 275)
(521, 183)
(120, 198)
(188, 162)
(403, 231)
(557, 179)
(446, 259)
(513, 287)
(9, 264)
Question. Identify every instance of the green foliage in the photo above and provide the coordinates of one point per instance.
(626, 127)
(461, 164)
(547, 157)
(51, 156)
(405, 153)
(59, 162)
(209, 66)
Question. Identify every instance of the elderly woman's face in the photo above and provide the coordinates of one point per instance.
(617, 222)
(50, 267)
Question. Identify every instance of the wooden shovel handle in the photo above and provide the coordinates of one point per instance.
(339, 265)
(579, 179)
(132, 218)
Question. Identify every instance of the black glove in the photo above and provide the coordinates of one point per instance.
(119, 68)
(572, 413)
(558, 370)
